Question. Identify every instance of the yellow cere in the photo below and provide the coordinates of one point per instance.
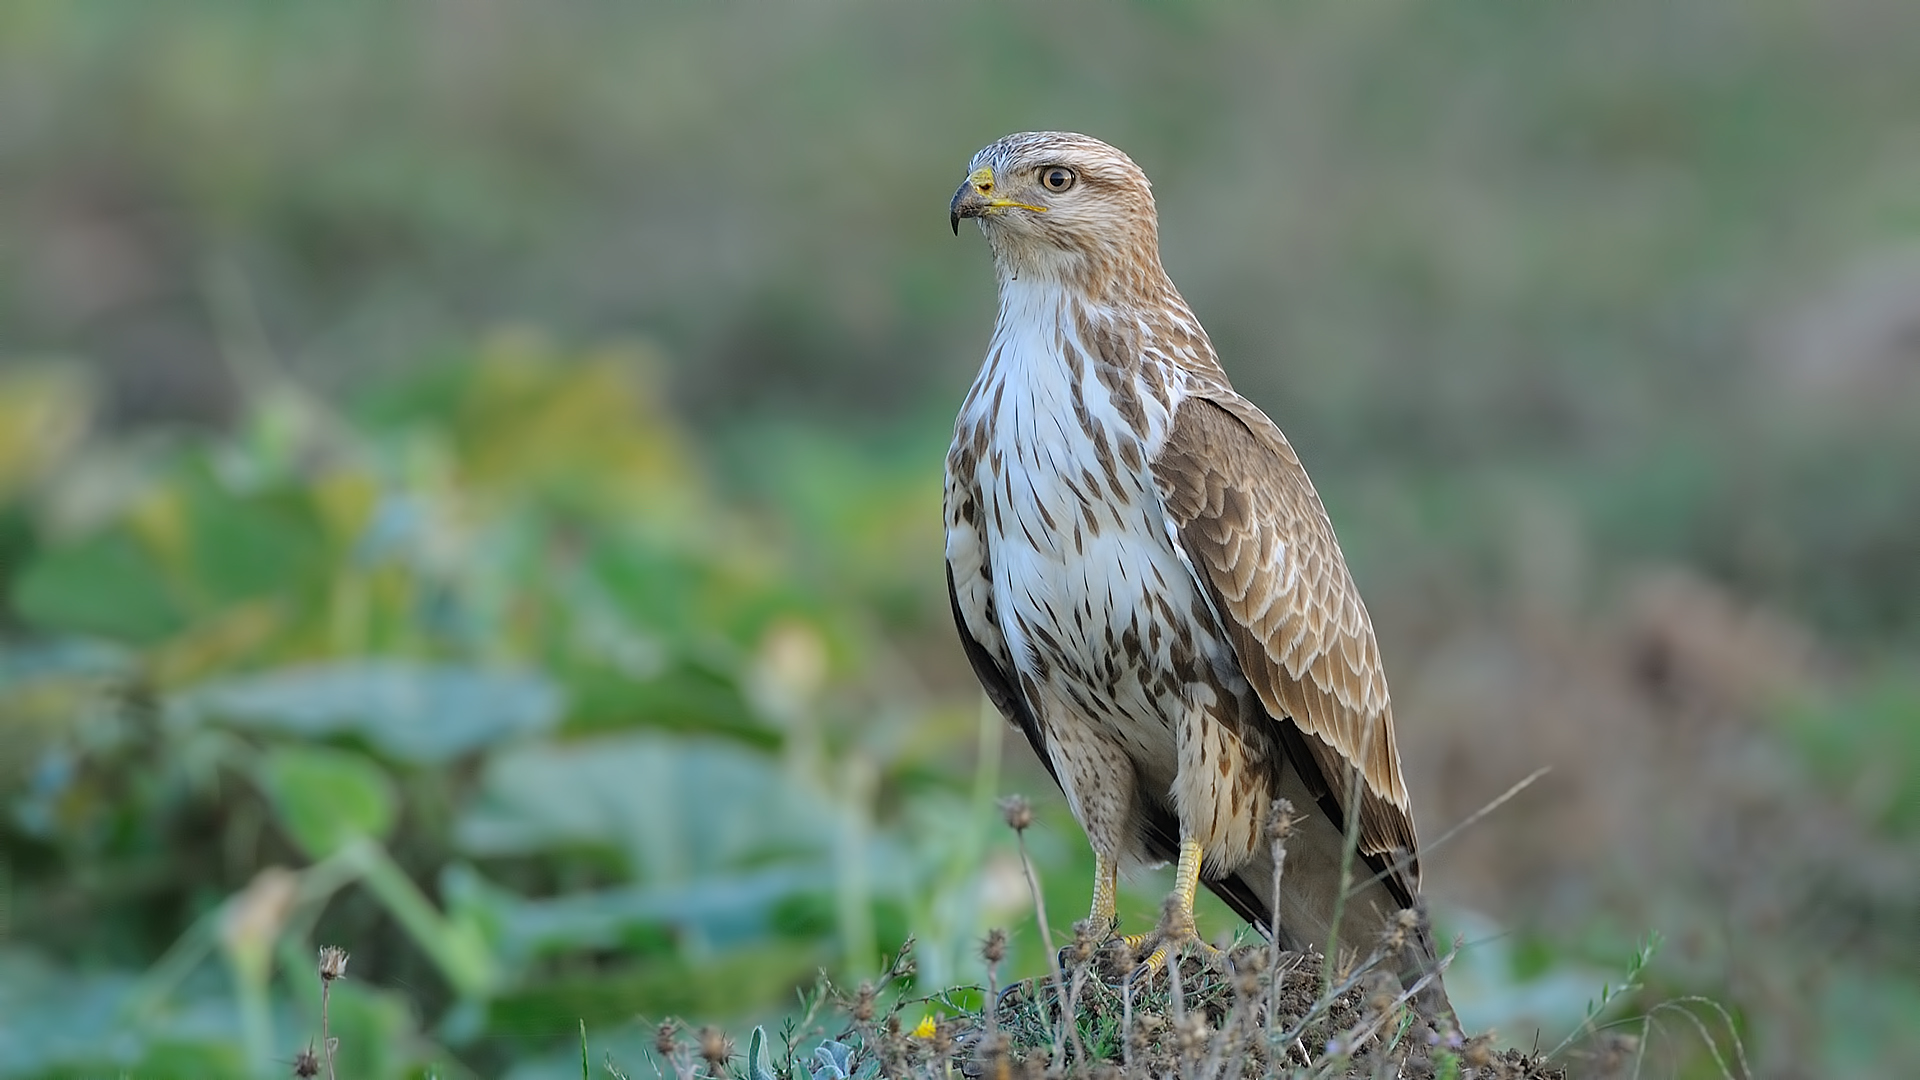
(982, 181)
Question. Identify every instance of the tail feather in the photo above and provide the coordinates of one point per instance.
(1365, 925)
(1307, 891)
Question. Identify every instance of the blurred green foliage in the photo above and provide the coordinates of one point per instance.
(604, 716)
(565, 683)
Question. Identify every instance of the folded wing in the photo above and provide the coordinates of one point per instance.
(1253, 530)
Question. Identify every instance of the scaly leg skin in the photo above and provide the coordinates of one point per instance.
(1106, 888)
(1181, 932)
(1106, 895)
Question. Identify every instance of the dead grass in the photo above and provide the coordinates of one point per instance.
(1248, 1013)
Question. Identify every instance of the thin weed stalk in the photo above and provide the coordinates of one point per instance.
(1680, 1004)
(1463, 825)
(1349, 847)
(1610, 993)
(1019, 815)
(1279, 827)
(333, 966)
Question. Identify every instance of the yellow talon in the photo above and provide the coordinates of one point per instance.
(1176, 930)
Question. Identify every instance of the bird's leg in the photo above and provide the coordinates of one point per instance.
(1105, 917)
(1106, 888)
(1177, 927)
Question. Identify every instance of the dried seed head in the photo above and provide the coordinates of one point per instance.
(333, 963)
(863, 999)
(991, 1056)
(1479, 1052)
(1247, 982)
(1086, 942)
(306, 1062)
(1343, 970)
(1193, 1033)
(1280, 821)
(666, 1038)
(715, 1049)
(994, 949)
(1176, 922)
(1145, 1027)
(1018, 812)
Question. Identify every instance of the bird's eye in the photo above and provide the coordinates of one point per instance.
(1056, 178)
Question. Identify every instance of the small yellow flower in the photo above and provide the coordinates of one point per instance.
(926, 1028)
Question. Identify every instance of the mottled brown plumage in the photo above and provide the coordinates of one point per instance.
(1146, 582)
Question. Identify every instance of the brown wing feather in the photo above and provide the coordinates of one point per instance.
(1258, 538)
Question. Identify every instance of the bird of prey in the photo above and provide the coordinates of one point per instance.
(1147, 584)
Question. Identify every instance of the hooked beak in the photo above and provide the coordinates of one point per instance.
(976, 199)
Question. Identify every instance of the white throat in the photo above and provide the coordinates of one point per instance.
(1041, 375)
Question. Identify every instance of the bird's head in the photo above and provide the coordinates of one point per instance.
(1058, 204)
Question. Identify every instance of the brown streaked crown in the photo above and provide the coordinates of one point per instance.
(1105, 221)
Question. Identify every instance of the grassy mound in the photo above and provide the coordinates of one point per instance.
(1249, 1012)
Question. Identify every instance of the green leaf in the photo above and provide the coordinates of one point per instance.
(418, 713)
(325, 798)
(633, 793)
(247, 546)
(79, 1023)
(106, 585)
(726, 983)
(759, 1065)
(725, 909)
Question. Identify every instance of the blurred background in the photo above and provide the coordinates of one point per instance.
(469, 494)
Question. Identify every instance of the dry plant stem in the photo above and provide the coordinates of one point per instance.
(1039, 905)
(1401, 1002)
(805, 1028)
(1230, 1028)
(1347, 851)
(1465, 823)
(992, 1004)
(1327, 998)
(1040, 916)
(333, 965)
(326, 1040)
(1177, 1005)
(1713, 1048)
(1280, 811)
(1073, 1029)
